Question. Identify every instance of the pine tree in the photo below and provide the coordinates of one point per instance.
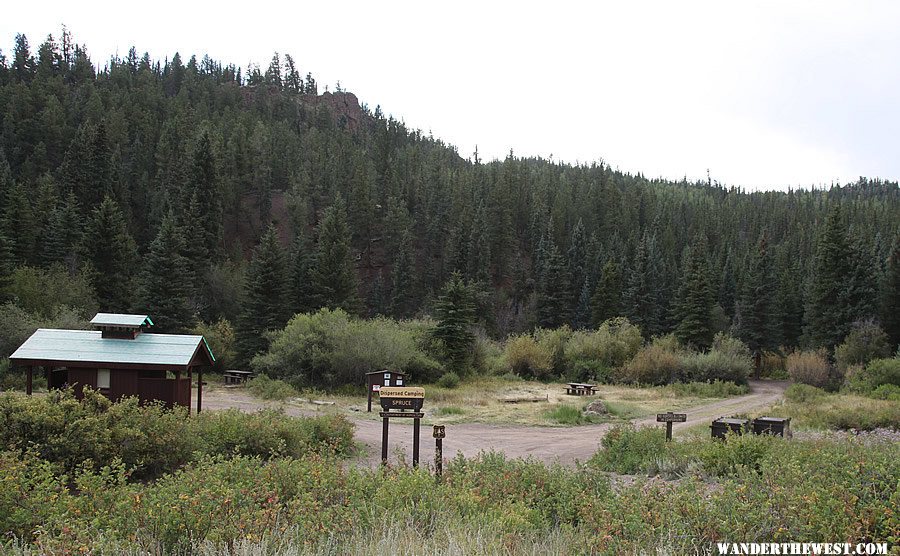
(789, 307)
(166, 281)
(203, 191)
(695, 300)
(455, 313)
(758, 328)
(576, 258)
(890, 296)
(554, 302)
(403, 280)
(7, 265)
(581, 319)
(862, 286)
(64, 231)
(266, 305)
(112, 255)
(479, 249)
(606, 302)
(378, 302)
(17, 224)
(303, 261)
(334, 278)
(827, 313)
(640, 299)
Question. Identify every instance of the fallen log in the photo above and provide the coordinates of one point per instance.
(523, 399)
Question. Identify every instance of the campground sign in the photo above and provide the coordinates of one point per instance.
(401, 397)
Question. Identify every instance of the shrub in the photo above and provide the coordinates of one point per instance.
(527, 358)
(714, 389)
(875, 374)
(17, 324)
(553, 341)
(715, 365)
(867, 341)
(449, 380)
(890, 392)
(737, 453)
(271, 389)
(812, 368)
(330, 348)
(655, 364)
(565, 415)
(628, 450)
(41, 291)
(270, 433)
(592, 353)
(803, 393)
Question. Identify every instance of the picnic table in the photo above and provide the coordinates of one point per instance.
(580, 389)
(234, 376)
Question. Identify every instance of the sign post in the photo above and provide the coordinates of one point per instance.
(668, 419)
(398, 401)
(376, 380)
(439, 433)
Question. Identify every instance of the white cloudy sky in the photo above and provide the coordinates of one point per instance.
(764, 94)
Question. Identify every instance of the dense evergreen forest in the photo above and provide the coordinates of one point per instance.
(196, 192)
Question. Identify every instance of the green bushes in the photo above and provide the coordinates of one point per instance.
(802, 393)
(271, 389)
(330, 348)
(449, 380)
(877, 373)
(594, 354)
(807, 491)
(528, 359)
(150, 440)
(867, 341)
(566, 415)
(815, 408)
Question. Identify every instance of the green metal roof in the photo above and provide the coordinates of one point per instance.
(177, 350)
(120, 319)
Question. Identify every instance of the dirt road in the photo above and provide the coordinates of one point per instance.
(548, 444)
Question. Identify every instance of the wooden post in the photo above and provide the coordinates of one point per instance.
(438, 434)
(190, 380)
(28, 380)
(384, 441)
(669, 431)
(416, 423)
(199, 389)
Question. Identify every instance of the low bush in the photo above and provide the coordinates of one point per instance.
(802, 393)
(714, 365)
(222, 341)
(591, 354)
(449, 380)
(330, 348)
(889, 392)
(714, 389)
(876, 373)
(149, 440)
(527, 358)
(565, 415)
(737, 454)
(812, 368)
(271, 389)
(554, 341)
(865, 342)
(655, 364)
(450, 410)
(628, 450)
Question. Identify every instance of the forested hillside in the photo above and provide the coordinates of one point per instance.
(150, 186)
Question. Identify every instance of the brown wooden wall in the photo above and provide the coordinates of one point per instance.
(148, 386)
(79, 378)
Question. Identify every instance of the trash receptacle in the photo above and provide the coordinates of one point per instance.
(779, 426)
(721, 427)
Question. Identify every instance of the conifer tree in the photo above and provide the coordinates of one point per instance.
(695, 300)
(455, 313)
(758, 327)
(827, 310)
(577, 258)
(378, 302)
(166, 281)
(203, 192)
(641, 302)
(890, 296)
(6, 267)
(266, 304)
(581, 319)
(17, 223)
(862, 286)
(64, 231)
(334, 278)
(606, 302)
(789, 307)
(303, 261)
(403, 280)
(554, 302)
(479, 251)
(111, 254)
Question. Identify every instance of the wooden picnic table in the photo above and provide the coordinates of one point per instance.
(235, 376)
(580, 389)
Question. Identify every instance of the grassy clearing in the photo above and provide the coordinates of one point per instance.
(480, 399)
(813, 408)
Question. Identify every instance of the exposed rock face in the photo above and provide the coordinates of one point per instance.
(344, 106)
(596, 407)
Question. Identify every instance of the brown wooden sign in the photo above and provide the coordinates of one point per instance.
(399, 397)
(671, 417)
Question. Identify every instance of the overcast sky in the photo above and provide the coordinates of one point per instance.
(765, 95)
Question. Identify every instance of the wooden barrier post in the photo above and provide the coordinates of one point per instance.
(384, 441)
(439, 434)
